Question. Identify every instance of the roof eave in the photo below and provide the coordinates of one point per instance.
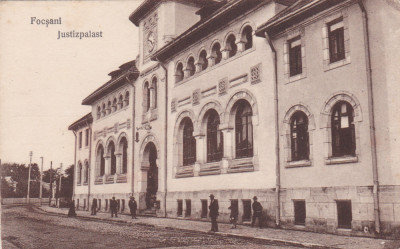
(84, 121)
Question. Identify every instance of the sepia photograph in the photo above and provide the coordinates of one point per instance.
(200, 124)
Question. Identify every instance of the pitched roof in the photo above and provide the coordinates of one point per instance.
(83, 121)
(295, 13)
(118, 78)
(218, 18)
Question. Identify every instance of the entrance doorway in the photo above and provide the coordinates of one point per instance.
(152, 176)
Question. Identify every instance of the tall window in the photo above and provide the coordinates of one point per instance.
(189, 143)
(147, 97)
(86, 137)
(299, 136)
(79, 175)
(124, 146)
(243, 130)
(111, 151)
(154, 93)
(203, 60)
(216, 53)
(336, 40)
(295, 56)
(80, 139)
(343, 132)
(190, 66)
(214, 137)
(121, 101)
(86, 174)
(179, 73)
(247, 36)
(231, 45)
(100, 160)
(126, 98)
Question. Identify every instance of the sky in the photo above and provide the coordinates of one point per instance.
(43, 80)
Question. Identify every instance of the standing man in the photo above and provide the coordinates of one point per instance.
(94, 206)
(213, 213)
(113, 207)
(132, 206)
(257, 212)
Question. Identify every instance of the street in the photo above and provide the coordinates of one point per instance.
(27, 227)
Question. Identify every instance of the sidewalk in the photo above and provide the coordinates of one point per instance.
(277, 236)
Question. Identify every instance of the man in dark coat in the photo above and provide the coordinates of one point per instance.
(213, 213)
(113, 207)
(71, 211)
(257, 212)
(132, 206)
(94, 206)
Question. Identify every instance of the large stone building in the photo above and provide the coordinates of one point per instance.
(291, 101)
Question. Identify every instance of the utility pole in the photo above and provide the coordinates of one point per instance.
(59, 186)
(51, 182)
(29, 177)
(41, 182)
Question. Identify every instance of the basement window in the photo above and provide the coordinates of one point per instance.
(188, 212)
(299, 212)
(344, 214)
(246, 210)
(180, 208)
(204, 208)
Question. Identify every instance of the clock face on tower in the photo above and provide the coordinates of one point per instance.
(150, 42)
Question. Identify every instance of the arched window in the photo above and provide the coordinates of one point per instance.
(343, 132)
(299, 136)
(190, 66)
(86, 173)
(111, 153)
(231, 45)
(247, 37)
(100, 160)
(188, 143)
(79, 175)
(124, 147)
(121, 101)
(126, 99)
(214, 137)
(103, 111)
(216, 53)
(114, 105)
(179, 73)
(203, 60)
(98, 112)
(146, 97)
(154, 93)
(109, 107)
(243, 129)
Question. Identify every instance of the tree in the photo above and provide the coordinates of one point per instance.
(14, 178)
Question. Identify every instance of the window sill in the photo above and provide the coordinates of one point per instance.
(241, 165)
(296, 77)
(184, 171)
(341, 160)
(210, 168)
(336, 64)
(121, 178)
(300, 163)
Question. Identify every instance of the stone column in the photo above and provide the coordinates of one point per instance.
(199, 67)
(200, 153)
(228, 135)
(211, 60)
(225, 53)
(118, 157)
(240, 45)
(107, 162)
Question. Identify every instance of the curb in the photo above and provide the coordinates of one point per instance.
(270, 241)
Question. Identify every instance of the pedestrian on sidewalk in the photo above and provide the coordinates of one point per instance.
(234, 215)
(94, 206)
(132, 206)
(113, 207)
(71, 211)
(257, 212)
(213, 213)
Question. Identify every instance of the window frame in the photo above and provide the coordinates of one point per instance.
(336, 41)
(244, 124)
(295, 57)
(215, 139)
(300, 150)
(188, 142)
(340, 140)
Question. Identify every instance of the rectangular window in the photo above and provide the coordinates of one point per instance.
(299, 212)
(84, 203)
(204, 208)
(336, 40)
(80, 139)
(295, 56)
(87, 137)
(188, 212)
(180, 208)
(99, 202)
(234, 208)
(344, 214)
(77, 204)
(246, 210)
(122, 205)
(106, 208)
(118, 204)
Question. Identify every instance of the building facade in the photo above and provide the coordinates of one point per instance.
(290, 101)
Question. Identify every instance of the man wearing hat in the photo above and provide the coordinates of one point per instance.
(213, 213)
(132, 207)
(257, 212)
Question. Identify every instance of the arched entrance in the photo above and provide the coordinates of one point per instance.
(150, 154)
